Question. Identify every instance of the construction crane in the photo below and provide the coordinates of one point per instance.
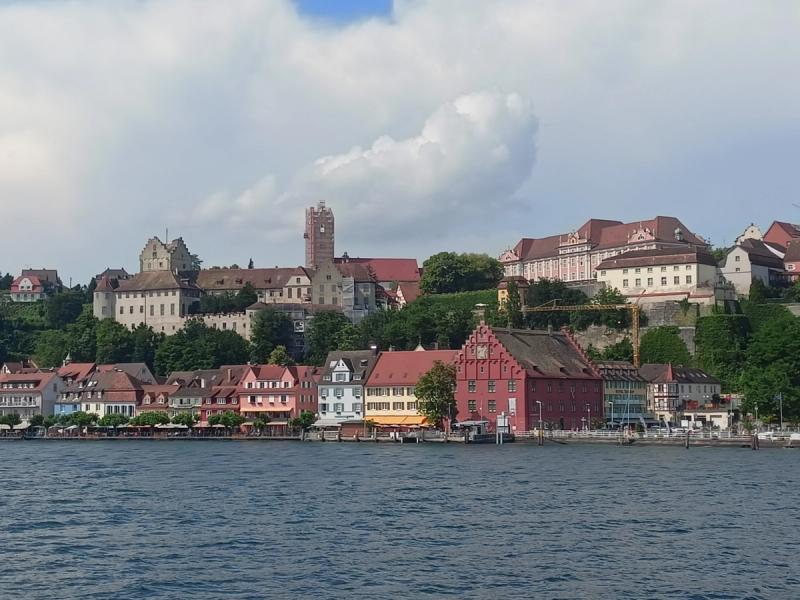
(554, 306)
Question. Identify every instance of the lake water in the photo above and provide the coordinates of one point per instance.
(215, 520)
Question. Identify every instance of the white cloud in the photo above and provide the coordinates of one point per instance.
(138, 115)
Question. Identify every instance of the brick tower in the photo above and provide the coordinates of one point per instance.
(318, 235)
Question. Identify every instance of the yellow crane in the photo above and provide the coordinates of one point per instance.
(554, 306)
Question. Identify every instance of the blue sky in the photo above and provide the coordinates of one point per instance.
(345, 10)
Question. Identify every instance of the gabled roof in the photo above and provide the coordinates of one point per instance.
(669, 373)
(109, 381)
(359, 272)
(618, 370)
(409, 291)
(543, 353)
(154, 280)
(387, 269)
(43, 275)
(235, 279)
(762, 253)
(137, 370)
(40, 380)
(268, 372)
(76, 371)
(357, 361)
(792, 251)
(405, 368)
(658, 256)
(155, 390)
(35, 283)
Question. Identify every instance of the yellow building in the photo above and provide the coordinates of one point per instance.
(390, 399)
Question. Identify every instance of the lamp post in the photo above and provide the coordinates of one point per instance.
(589, 420)
(611, 404)
(780, 404)
(541, 431)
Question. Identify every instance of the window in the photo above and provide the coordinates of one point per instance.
(323, 392)
(676, 280)
(410, 391)
(624, 271)
(737, 258)
(338, 407)
(649, 281)
(512, 385)
(738, 269)
(357, 407)
(141, 309)
(602, 273)
(583, 388)
(638, 283)
(663, 281)
(398, 405)
(340, 377)
(688, 267)
(491, 385)
(172, 308)
(492, 406)
(649, 269)
(624, 283)
(471, 387)
(637, 270)
(549, 387)
(663, 269)
(152, 310)
(688, 279)
(339, 392)
(675, 268)
(397, 391)
(323, 408)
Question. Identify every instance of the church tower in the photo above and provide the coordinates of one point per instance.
(318, 235)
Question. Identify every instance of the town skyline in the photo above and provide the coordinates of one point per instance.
(104, 148)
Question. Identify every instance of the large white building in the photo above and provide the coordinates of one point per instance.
(341, 388)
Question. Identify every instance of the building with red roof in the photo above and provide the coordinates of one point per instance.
(29, 394)
(781, 233)
(528, 375)
(390, 398)
(27, 288)
(574, 256)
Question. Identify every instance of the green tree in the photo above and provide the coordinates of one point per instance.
(664, 345)
(114, 342)
(445, 272)
(185, 418)
(545, 291)
(482, 272)
(63, 309)
(719, 253)
(52, 347)
(150, 419)
(622, 350)
(512, 309)
(269, 329)
(324, 335)
(304, 421)
(772, 367)
(246, 296)
(50, 420)
(113, 420)
(758, 292)
(197, 346)
(721, 343)
(614, 319)
(11, 419)
(6, 281)
(36, 421)
(261, 423)
(82, 419)
(145, 342)
(435, 392)
(279, 356)
(229, 419)
(83, 336)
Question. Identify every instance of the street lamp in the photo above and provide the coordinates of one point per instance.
(611, 404)
(541, 430)
(589, 420)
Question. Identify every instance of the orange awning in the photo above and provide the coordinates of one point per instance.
(398, 420)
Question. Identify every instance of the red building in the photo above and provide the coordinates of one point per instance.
(513, 370)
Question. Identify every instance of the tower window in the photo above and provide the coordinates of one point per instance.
(322, 228)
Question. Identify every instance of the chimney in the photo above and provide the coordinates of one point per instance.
(373, 349)
(202, 382)
(229, 374)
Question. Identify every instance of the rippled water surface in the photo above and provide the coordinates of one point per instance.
(289, 520)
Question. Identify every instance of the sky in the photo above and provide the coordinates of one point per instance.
(426, 125)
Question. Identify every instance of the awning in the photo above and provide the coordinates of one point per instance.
(260, 409)
(398, 421)
(327, 423)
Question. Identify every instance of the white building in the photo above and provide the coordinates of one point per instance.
(341, 388)
(753, 259)
(28, 394)
(666, 274)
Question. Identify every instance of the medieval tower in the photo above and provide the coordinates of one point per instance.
(318, 235)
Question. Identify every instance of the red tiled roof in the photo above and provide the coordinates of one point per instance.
(409, 290)
(405, 368)
(40, 380)
(358, 272)
(388, 269)
(792, 251)
(37, 285)
(781, 232)
(76, 371)
(268, 372)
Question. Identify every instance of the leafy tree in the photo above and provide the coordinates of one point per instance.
(349, 338)
(719, 253)
(304, 421)
(721, 344)
(512, 309)
(622, 350)
(324, 335)
(197, 346)
(11, 419)
(145, 342)
(150, 419)
(52, 346)
(36, 421)
(114, 342)
(185, 418)
(758, 291)
(279, 356)
(483, 271)
(435, 392)
(229, 419)
(50, 420)
(664, 345)
(261, 423)
(83, 336)
(82, 419)
(615, 319)
(246, 296)
(269, 329)
(772, 367)
(443, 273)
(6, 281)
(113, 420)
(63, 309)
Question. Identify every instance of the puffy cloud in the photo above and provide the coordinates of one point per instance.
(135, 115)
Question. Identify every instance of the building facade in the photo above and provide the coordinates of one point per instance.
(29, 394)
(624, 394)
(173, 257)
(390, 397)
(524, 374)
(341, 387)
(27, 288)
(665, 274)
(574, 256)
(671, 389)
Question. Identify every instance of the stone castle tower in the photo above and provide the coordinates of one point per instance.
(173, 256)
(318, 235)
